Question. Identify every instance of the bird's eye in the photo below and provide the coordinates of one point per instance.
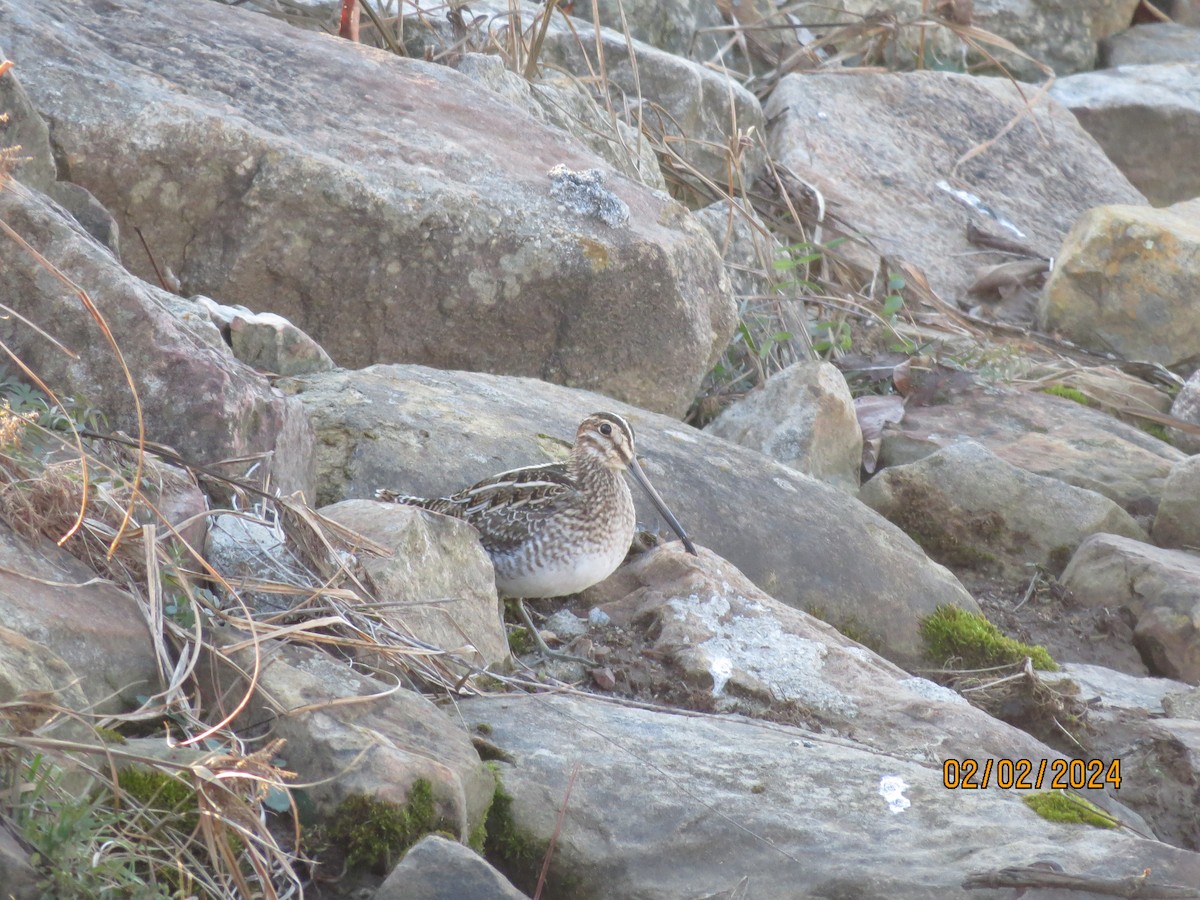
(606, 429)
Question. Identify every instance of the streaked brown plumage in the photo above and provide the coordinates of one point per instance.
(558, 528)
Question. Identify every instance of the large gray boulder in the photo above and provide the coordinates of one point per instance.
(714, 806)
(195, 396)
(391, 208)
(888, 151)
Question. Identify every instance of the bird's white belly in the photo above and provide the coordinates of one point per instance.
(557, 578)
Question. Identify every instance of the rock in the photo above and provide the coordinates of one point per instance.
(268, 342)
(33, 681)
(879, 148)
(439, 869)
(96, 629)
(26, 131)
(804, 418)
(350, 734)
(969, 508)
(749, 250)
(427, 432)
(565, 104)
(675, 26)
(1183, 705)
(1146, 119)
(766, 810)
(244, 550)
(692, 108)
(20, 879)
(177, 500)
(438, 585)
(1119, 691)
(751, 652)
(400, 212)
(1185, 12)
(1178, 521)
(1125, 726)
(1061, 37)
(1045, 435)
(1158, 587)
(1120, 282)
(231, 411)
(1151, 43)
(1186, 406)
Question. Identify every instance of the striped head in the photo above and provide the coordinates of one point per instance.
(605, 438)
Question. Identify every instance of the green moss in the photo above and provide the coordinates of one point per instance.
(954, 632)
(520, 641)
(1058, 806)
(108, 735)
(1068, 393)
(505, 843)
(155, 789)
(855, 629)
(375, 833)
(1154, 429)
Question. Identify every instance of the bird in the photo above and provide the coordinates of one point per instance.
(556, 529)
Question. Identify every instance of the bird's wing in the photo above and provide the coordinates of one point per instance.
(506, 507)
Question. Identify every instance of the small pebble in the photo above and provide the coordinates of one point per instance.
(604, 678)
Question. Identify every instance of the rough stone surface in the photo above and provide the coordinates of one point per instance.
(1151, 43)
(759, 809)
(96, 629)
(231, 410)
(1178, 521)
(427, 432)
(1123, 107)
(348, 734)
(749, 251)
(1157, 586)
(1123, 283)
(731, 639)
(1118, 690)
(389, 207)
(1046, 435)
(17, 874)
(24, 128)
(881, 146)
(697, 110)
(245, 550)
(1132, 720)
(265, 341)
(440, 869)
(671, 25)
(564, 103)
(1186, 406)
(1062, 36)
(33, 679)
(968, 507)
(804, 418)
(438, 584)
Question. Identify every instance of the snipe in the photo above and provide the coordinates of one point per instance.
(556, 529)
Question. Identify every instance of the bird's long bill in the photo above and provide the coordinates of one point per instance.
(640, 477)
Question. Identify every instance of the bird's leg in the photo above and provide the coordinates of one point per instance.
(545, 651)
